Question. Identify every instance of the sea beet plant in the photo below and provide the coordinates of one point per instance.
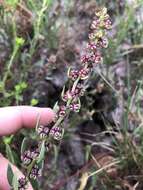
(33, 160)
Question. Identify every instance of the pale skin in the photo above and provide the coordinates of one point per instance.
(12, 119)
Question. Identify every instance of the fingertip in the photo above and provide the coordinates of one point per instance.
(14, 118)
(29, 116)
(47, 115)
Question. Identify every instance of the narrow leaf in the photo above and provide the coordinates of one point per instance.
(83, 180)
(42, 152)
(10, 174)
(79, 102)
(63, 92)
(38, 122)
(15, 182)
(41, 164)
(9, 154)
(68, 72)
(24, 145)
(56, 107)
(35, 184)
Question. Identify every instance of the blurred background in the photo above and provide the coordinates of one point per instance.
(102, 145)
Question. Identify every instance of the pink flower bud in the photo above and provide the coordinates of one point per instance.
(79, 90)
(95, 24)
(73, 74)
(56, 133)
(35, 172)
(62, 111)
(92, 46)
(108, 24)
(43, 131)
(22, 183)
(97, 58)
(84, 59)
(26, 157)
(83, 73)
(75, 107)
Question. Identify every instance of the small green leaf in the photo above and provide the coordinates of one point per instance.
(79, 102)
(9, 154)
(24, 145)
(17, 87)
(7, 140)
(34, 102)
(23, 85)
(56, 107)
(42, 152)
(10, 175)
(20, 87)
(68, 72)
(63, 92)
(19, 41)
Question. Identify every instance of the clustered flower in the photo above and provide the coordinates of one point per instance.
(62, 111)
(73, 74)
(56, 133)
(28, 156)
(91, 57)
(43, 131)
(70, 98)
(75, 107)
(22, 183)
(35, 172)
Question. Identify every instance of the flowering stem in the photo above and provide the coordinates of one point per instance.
(60, 119)
(45, 5)
(71, 98)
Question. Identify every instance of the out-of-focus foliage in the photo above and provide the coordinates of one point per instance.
(39, 40)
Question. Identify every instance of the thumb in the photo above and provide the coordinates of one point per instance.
(4, 185)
